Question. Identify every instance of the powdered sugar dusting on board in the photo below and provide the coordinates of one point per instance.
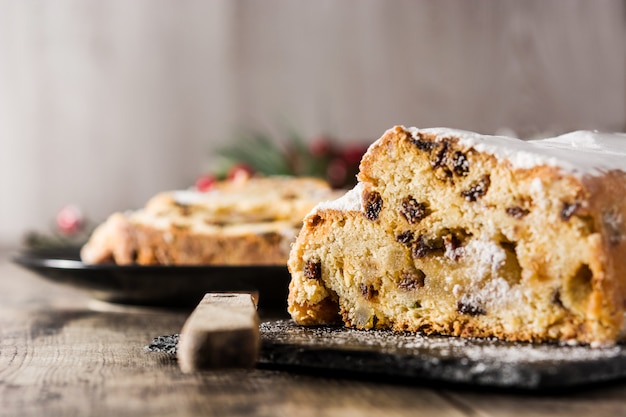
(487, 362)
(440, 346)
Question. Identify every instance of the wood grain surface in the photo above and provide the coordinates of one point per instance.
(222, 332)
(63, 355)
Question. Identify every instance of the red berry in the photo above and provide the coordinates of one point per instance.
(205, 183)
(337, 172)
(352, 153)
(70, 219)
(319, 146)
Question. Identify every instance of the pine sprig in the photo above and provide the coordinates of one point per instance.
(70, 230)
(41, 241)
(259, 152)
(319, 157)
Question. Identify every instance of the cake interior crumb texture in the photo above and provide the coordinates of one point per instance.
(450, 232)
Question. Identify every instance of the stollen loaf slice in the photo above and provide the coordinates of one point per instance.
(454, 233)
(250, 221)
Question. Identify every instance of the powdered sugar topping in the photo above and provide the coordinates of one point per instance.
(350, 201)
(488, 287)
(578, 153)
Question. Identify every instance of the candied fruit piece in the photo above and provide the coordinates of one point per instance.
(517, 212)
(421, 143)
(460, 164)
(569, 209)
(423, 246)
(470, 309)
(368, 291)
(405, 237)
(452, 243)
(313, 269)
(373, 203)
(477, 189)
(438, 159)
(315, 220)
(413, 211)
(412, 280)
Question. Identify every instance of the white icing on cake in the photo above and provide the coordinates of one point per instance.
(192, 197)
(578, 153)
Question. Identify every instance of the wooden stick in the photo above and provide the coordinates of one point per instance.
(222, 332)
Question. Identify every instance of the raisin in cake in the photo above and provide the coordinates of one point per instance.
(243, 222)
(455, 233)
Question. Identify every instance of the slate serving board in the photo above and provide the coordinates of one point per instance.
(475, 362)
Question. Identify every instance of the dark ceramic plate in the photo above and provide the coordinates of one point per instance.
(157, 285)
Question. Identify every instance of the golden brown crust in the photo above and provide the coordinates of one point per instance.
(451, 240)
(180, 247)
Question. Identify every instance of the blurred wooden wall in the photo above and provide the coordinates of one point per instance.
(104, 103)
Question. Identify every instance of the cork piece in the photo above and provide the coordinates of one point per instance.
(222, 332)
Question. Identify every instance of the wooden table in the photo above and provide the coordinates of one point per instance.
(63, 354)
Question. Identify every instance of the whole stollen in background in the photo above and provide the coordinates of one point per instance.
(104, 104)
